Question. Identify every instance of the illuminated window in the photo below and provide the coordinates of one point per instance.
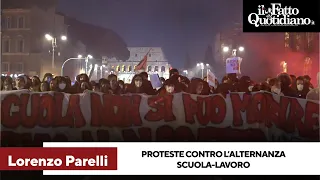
(156, 68)
(149, 68)
(134, 67)
(112, 67)
(123, 68)
(118, 68)
(129, 68)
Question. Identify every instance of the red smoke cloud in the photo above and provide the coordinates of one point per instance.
(265, 51)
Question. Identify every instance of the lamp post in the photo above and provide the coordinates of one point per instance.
(78, 58)
(101, 70)
(54, 45)
(226, 49)
(201, 65)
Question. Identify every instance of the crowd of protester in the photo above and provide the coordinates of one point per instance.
(283, 84)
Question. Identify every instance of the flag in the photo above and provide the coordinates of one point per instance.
(143, 63)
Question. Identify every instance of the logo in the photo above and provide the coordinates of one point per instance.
(276, 15)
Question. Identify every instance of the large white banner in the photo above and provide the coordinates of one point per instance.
(37, 117)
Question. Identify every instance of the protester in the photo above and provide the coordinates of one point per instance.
(105, 87)
(137, 85)
(283, 84)
(21, 82)
(115, 88)
(301, 90)
(35, 84)
(44, 86)
(307, 82)
(314, 93)
(8, 84)
(275, 86)
(147, 84)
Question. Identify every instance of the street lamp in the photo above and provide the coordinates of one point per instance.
(54, 45)
(185, 71)
(101, 70)
(201, 65)
(80, 57)
(225, 49)
(86, 61)
(234, 51)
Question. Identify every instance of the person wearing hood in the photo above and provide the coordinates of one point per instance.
(35, 84)
(301, 90)
(286, 81)
(314, 93)
(104, 85)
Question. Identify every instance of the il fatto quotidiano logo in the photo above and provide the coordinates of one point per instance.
(277, 15)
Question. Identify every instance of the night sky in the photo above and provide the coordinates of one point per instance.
(178, 26)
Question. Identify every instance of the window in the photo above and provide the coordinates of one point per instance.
(163, 69)
(156, 68)
(20, 22)
(6, 45)
(136, 55)
(118, 68)
(149, 68)
(8, 22)
(135, 67)
(20, 45)
(129, 68)
(19, 68)
(149, 55)
(123, 68)
(5, 67)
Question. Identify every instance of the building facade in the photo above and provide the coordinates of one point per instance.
(24, 47)
(156, 64)
(306, 43)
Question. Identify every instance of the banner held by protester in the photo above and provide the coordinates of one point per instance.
(38, 117)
